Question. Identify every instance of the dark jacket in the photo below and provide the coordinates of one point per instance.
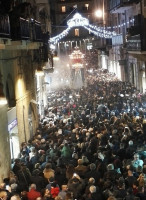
(76, 186)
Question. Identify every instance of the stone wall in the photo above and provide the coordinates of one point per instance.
(4, 144)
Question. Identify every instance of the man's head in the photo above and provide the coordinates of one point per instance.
(33, 186)
(92, 189)
(64, 187)
(136, 156)
(15, 197)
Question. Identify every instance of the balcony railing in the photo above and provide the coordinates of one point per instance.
(134, 43)
(69, 1)
(136, 35)
(117, 4)
(36, 30)
(20, 29)
(24, 29)
(4, 26)
(117, 40)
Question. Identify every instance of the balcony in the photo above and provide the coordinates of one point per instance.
(23, 29)
(119, 6)
(20, 29)
(36, 31)
(71, 2)
(136, 36)
(4, 26)
(134, 43)
(117, 40)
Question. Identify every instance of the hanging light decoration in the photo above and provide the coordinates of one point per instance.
(78, 20)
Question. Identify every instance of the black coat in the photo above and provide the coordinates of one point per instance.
(76, 186)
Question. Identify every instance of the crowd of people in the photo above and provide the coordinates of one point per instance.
(90, 145)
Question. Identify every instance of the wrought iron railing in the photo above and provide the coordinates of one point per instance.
(4, 26)
(24, 29)
(117, 40)
(20, 28)
(117, 3)
(37, 32)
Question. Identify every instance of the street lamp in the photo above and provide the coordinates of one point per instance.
(99, 13)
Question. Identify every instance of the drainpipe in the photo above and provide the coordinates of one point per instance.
(24, 124)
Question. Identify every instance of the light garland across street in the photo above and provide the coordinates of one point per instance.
(78, 20)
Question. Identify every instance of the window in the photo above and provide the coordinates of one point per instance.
(87, 6)
(63, 9)
(76, 32)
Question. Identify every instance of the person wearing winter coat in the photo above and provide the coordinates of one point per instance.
(76, 185)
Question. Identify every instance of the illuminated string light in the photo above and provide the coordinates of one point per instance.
(78, 20)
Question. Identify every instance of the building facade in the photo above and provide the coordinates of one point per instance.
(78, 36)
(124, 55)
(24, 34)
(128, 53)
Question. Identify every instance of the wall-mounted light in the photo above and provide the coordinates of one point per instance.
(55, 56)
(39, 71)
(3, 100)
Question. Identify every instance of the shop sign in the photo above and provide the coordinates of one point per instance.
(12, 125)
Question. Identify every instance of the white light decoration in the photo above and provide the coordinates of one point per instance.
(78, 20)
(76, 54)
(77, 59)
(77, 65)
(52, 46)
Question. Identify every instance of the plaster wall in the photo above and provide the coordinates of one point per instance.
(4, 144)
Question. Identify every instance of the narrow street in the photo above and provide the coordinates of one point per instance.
(73, 100)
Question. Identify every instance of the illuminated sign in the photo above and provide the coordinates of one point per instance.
(12, 125)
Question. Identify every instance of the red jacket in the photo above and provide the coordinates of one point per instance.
(33, 194)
